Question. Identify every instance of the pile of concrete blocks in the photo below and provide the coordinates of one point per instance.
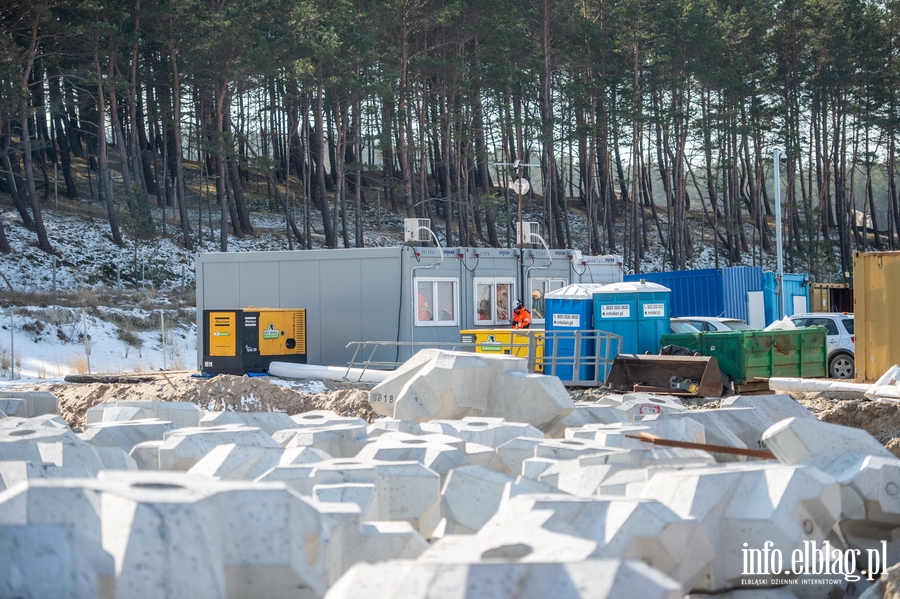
(479, 480)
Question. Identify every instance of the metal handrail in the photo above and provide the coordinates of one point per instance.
(599, 361)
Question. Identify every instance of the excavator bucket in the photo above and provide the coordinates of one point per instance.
(673, 375)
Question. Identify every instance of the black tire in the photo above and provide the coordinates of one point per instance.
(841, 366)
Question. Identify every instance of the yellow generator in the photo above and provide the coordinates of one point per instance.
(242, 341)
(506, 341)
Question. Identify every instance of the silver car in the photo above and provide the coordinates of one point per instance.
(839, 336)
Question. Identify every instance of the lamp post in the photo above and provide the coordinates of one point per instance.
(521, 186)
(779, 274)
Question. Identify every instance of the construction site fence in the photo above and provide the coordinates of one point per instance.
(580, 358)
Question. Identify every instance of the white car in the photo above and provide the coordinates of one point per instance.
(680, 325)
(839, 336)
(712, 323)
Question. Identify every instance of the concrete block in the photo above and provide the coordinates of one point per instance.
(590, 413)
(53, 560)
(13, 406)
(183, 447)
(560, 528)
(114, 458)
(267, 421)
(386, 425)
(303, 455)
(360, 494)
(749, 506)
(350, 540)
(512, 454)
(400, 447)
(28, 451)
(320, 418)
(173, 534)
(716, 426)
(180, 414)
(868, 473)
(146, 455)
(125, 434)
(338, 440)
(37, 403)
(115, 413)
(620, 434)
(471, 495)
(638, 405)
(774, 408)
(569, 449)
(171, 530)
(237, 462)
(480, 455)
(298, 477)
(495, 579)
(492, 432)
(453, 385)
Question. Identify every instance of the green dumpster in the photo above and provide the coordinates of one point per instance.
(749, 355)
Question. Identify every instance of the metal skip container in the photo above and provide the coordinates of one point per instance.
(876, 289)
(638, 311)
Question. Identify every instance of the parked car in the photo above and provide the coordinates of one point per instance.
(840, 338)
(680, 325)
(712, 323)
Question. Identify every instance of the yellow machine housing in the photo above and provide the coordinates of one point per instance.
(505, 341)
(248, 340)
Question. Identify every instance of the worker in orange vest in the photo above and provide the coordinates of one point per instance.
(521, 317)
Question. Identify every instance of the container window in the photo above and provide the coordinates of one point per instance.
(436, 302)
(537, 290)
(493, 297)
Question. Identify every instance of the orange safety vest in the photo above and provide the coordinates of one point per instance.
(521, 318)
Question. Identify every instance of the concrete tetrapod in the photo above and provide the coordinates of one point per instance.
(560, 528)
(868, 473)
(181, 414)
(496, 579)
(53, 560)
(453, 385)
(183, 447)
(125, 434)
(749, 507)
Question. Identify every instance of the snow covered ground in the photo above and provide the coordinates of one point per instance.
(130, 294)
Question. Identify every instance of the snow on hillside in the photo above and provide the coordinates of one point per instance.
(122, 297)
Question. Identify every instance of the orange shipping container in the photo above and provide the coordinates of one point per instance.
(876, 288)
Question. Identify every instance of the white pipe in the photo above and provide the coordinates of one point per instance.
(813, 385)
(332, 373)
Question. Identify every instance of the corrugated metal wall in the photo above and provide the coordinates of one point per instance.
(694, 292)
(737, 282)
(793, 286)
(876, 288)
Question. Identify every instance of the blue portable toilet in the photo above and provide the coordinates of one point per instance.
(571, 308)
(638, 311)
(795, 295)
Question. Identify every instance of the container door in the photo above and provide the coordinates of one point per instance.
(799, 304)
(756, 309)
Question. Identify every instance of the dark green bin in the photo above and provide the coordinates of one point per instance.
(750, 354)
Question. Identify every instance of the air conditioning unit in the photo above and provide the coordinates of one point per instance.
(417, 231)
(529, 234)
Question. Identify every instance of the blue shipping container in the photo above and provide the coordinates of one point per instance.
(795, 298)
(708, 291)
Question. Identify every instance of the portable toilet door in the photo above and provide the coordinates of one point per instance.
(570, 309)
(637, 311)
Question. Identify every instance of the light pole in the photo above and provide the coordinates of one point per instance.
(521, 186)
(779, 274)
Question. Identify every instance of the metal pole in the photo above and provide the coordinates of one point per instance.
(779, 274)
(87, 341)
(12, 345)
(162, 326)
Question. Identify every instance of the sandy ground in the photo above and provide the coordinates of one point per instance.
(237, 393)
(257, 394)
